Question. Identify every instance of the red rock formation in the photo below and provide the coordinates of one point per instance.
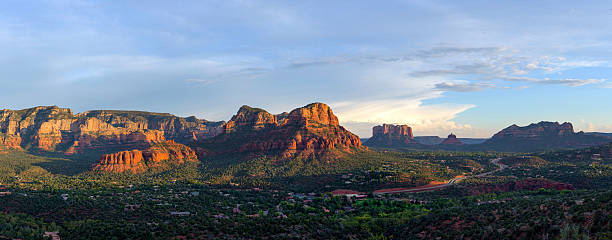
(536, 130)
(140, 140)
(58, 129)
(10, 141)
(137, 161)
(248, 117)
(314, 114)
(121, 162)
(282, 118)
(452, 140)
(309, 131)
(393, 130)
(388, 135)
(541, 136)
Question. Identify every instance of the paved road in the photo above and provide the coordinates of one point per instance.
(496, 162)
(454, 180)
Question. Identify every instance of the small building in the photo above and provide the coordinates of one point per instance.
(53, 235)
(180, 213)
(347, 193)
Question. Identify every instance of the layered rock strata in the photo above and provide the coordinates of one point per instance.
(388, 135)
(137, 161)
(308, 131)
(58, 129)
(534, 130)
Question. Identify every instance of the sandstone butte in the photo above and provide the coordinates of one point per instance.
(542, 135)
(452, 140)
(137, 161)
(58, 129)
(541, 129)
(391, 135)
(312, 130)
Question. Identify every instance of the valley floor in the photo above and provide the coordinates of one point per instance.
(488, 196)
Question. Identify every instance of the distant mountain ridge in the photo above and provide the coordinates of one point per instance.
(541, 136)
(534, 137)
(58, 129)
(135, 141)
(609, 135)
(534, 130)
(435, 140)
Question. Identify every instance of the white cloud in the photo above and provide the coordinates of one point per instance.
(360, 116)
(462, 86)
(573, 82)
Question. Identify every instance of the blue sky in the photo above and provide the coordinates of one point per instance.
(468, 67)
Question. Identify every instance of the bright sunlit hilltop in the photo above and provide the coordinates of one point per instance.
(439, 66)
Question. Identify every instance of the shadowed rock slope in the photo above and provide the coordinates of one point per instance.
(309, 131)
(389, 135)
(541, 136)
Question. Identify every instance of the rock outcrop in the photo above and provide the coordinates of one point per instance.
(388, 135)
(137, 161)
(309, 131)
(58, 129)
(452, 140)
(249, 118)
(313, 115)
(541, 136)
(10, 141)
(534, 130)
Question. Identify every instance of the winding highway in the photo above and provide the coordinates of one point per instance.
(449, 183)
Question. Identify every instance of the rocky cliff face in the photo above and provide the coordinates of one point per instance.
(10, 141)
(58, 129)
(541, 136)
(541, 129)
(452, 140)
(308, 131)
(392, 130)
(137, 161)
(388, 135)
(313, 115)
(249, 118)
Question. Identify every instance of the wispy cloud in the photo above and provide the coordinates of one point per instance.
(201, 81)
(462, 86)
(475, 68)
(574, 82)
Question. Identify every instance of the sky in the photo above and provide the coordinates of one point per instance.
(467, 67)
